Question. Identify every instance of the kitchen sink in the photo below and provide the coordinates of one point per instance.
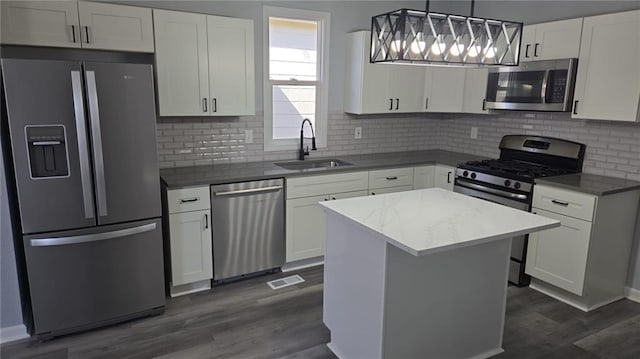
(312, 164)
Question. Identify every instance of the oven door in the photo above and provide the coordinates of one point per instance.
(513, 200)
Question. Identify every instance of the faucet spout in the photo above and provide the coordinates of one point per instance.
(302, 152)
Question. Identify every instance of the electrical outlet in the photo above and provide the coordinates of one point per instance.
(248, 136)
(474, 132)
(358, 133)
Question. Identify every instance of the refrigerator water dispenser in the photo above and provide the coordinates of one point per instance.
(47, 151)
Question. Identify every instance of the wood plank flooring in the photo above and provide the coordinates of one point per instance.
(250, 320)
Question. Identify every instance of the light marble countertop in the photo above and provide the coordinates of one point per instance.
(432, 220)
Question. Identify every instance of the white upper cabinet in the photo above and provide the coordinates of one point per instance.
(77, 24)
(204, 64)
(181, 63)
(608, 78)
(40, 23)
(444, 89)
(379, 88)
(475, 90)
(551, 40)
(231, 67)
(115, 27)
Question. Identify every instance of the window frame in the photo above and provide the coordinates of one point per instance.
(322, 81)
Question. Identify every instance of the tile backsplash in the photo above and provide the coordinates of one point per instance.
(613, 148)
(202, 141)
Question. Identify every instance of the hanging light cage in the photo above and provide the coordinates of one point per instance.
(412, 36)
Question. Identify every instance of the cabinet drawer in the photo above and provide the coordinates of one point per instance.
(320, 185)
(394, 177)
(188, 199)
(568, 203)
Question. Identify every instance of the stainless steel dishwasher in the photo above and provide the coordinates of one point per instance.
(247, 220)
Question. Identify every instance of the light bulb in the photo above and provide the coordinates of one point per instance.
(456, 49)
(438, 48)
(490, 52)
(395, 45)
(473, 51)
(418, 46)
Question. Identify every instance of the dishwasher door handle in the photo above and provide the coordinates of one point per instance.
(246, 191)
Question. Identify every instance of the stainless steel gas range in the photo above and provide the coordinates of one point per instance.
(509, 180)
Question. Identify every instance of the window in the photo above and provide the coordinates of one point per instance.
(296, 44)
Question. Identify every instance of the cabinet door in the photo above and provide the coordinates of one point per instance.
(447, 89)
(424, 177)
(231, 66)
(392, 177)
(475, 90)
(191, 254)
(305, 228)
(559, 256)
(181, 63)
(40, 23)
(444, 177)
(557, 40)
(378, 191)
(115, 27)
(407, 88)
(376, 92)
(527, 43)
(607, 82)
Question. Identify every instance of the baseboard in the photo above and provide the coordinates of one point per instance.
(13, 333)
(305, 263)
(570, 299)
(632, 294)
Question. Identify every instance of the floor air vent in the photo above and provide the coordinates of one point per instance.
(285, 282)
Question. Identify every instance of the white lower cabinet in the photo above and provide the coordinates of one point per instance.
(190, 240)
(424, 177)
(583, 262)
(559, 256)
(191, 255)
(444, 177)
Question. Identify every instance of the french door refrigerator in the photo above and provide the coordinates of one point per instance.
(82, 136)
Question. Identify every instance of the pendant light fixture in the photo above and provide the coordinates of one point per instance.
(412, 36)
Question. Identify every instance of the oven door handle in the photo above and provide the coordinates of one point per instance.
(465, 183)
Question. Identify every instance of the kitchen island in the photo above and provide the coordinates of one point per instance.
(419, 274)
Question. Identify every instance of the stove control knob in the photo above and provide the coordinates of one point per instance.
(516, 185)
(465, 173)
(507, 183)
(473, 175)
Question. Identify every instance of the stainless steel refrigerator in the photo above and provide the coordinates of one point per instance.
(83, 143)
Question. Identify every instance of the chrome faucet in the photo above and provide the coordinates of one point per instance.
(301, 151)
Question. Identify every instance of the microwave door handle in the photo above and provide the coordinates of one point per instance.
(543, 91)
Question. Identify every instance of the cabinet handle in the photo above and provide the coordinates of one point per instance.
(204, 104)
(526, 51)
(397, 103)
(187, 200)
(535, 50)
(392, 178)
(73, 34)
(206, 221)
(426, 104)
(390, 104)
(449, 177)
(333, 198)
(326, 199)
(560, 203)
(86, 31)
(373, 193)
(575, 107)
(484, 104)
(214, 104)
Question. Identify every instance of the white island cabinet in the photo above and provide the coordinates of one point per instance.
(419, 274)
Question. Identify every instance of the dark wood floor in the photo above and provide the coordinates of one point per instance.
(249, 320)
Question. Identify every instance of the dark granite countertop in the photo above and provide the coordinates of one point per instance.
(589, 183)
(251, 171)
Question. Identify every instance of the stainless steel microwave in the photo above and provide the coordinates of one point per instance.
(535, 86)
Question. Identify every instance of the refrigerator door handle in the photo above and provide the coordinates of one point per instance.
(59, 241)
(94, 116)
(83, 149)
